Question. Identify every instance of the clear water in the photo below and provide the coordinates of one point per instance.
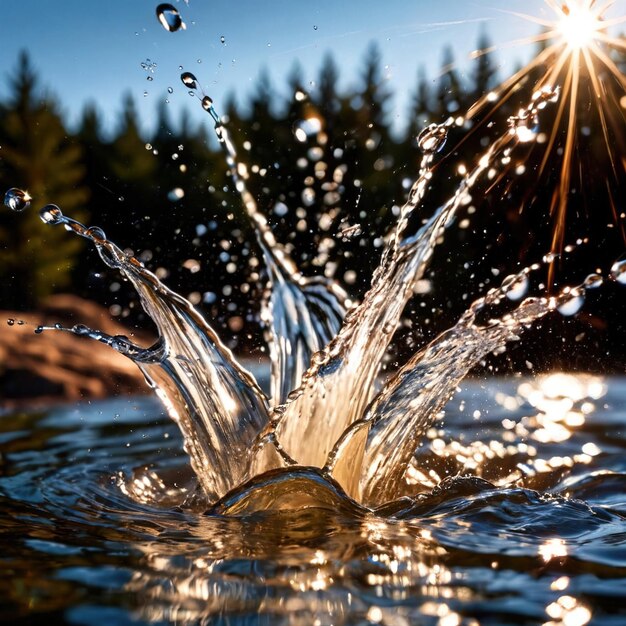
(338, 498)
(543, 541)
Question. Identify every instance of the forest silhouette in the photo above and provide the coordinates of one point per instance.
(329, 168)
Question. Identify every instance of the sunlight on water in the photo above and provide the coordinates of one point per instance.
(340, 497)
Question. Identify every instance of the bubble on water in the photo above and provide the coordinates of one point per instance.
(189, 80)
(618, 272)
(573, 302)
(17, 200)
(432, 139)
(169, 17)
(51, 214)
(515, 286)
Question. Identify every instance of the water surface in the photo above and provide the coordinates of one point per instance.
(515, 514)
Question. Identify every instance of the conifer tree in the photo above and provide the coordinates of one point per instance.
(37, 156)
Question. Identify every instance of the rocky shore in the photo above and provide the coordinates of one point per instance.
(58, 366)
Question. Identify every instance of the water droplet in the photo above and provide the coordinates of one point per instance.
(303, 129)
(593, 281)
(81, 330)
(223, 39)
(170, 18)
(618, 272)
(176, 194)
(170, 90)
(39, 330)
(432, 139)
(51, 214)
(525, 125)
(315, 27)
(10, 321)
(189, 80)
(573, 301)
(95, 232)
(550, 257)
(515, 286)
(207, 103)
(545, 96)
(16, 199)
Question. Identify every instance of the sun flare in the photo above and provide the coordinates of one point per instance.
(579, 25)
(577, 56)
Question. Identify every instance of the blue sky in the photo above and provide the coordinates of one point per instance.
(92, 51)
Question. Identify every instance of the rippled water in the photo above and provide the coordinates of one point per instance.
(519, 518)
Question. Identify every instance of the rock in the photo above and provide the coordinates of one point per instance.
(58, 366)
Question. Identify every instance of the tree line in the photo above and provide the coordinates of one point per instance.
(325, 167)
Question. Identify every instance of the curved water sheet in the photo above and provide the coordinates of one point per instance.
(385, 440)
(217, 404)
(341, 381)
(302, 314)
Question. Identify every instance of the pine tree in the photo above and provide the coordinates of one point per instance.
(449, 90)
(484, 75)
(37, 156)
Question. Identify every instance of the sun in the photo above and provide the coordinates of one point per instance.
(577, 58)
(579, 25)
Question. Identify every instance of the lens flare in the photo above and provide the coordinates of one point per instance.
(579, 25)
(577, 56)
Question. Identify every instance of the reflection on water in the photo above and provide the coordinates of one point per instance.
(514, 513)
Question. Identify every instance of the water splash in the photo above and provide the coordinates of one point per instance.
(324, 410)
(302, 314)
(216, 403)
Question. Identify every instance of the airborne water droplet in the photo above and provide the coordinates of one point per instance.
(515, 286)
(95, 232)
(575, 298)
(618, 272)
(223, 39)
(51, 214)
(545, 96)
(207, 103)
(17, 200)
(170, 18)
(593, 281)
(189, 80)
(432, 139)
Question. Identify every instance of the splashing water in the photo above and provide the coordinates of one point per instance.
(341, 481)
(324, 411)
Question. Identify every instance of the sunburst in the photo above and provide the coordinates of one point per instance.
(577, 58)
